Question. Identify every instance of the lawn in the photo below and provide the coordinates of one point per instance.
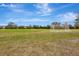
(38, 42)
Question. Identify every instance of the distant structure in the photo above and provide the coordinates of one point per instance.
(56, 25)
(66, 26)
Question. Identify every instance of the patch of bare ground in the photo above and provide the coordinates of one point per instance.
(65, 47)
(74, 41)
(68, 47)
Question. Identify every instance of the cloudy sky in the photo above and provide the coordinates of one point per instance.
(38, 13)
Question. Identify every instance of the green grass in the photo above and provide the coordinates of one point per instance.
(38, 42)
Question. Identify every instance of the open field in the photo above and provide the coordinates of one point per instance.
(37, 42)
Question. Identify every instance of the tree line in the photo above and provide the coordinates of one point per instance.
(57, 25)
(12, 25)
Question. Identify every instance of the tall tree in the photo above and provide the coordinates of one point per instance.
(11, 25)
(70, 26)
(77, 22)
(55, 25)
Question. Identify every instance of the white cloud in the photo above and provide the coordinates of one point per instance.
(15, 8)
(43, 9)
(67, 17)
(12, 7)
(7, 5)
(27, 20)
(3, 5)
(2, 24)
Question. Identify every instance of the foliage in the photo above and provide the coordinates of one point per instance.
(11, 25)
(77, 22)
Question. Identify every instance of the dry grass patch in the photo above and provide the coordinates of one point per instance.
(38, 43)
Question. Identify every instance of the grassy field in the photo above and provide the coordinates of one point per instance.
(38, 42)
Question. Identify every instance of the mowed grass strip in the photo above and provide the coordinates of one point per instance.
(38, 42)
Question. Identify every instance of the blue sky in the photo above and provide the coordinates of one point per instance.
(38, 13)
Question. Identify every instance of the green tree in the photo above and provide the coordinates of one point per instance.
(21, 27)
(36, 27)
(71, 27)
(11, 25)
